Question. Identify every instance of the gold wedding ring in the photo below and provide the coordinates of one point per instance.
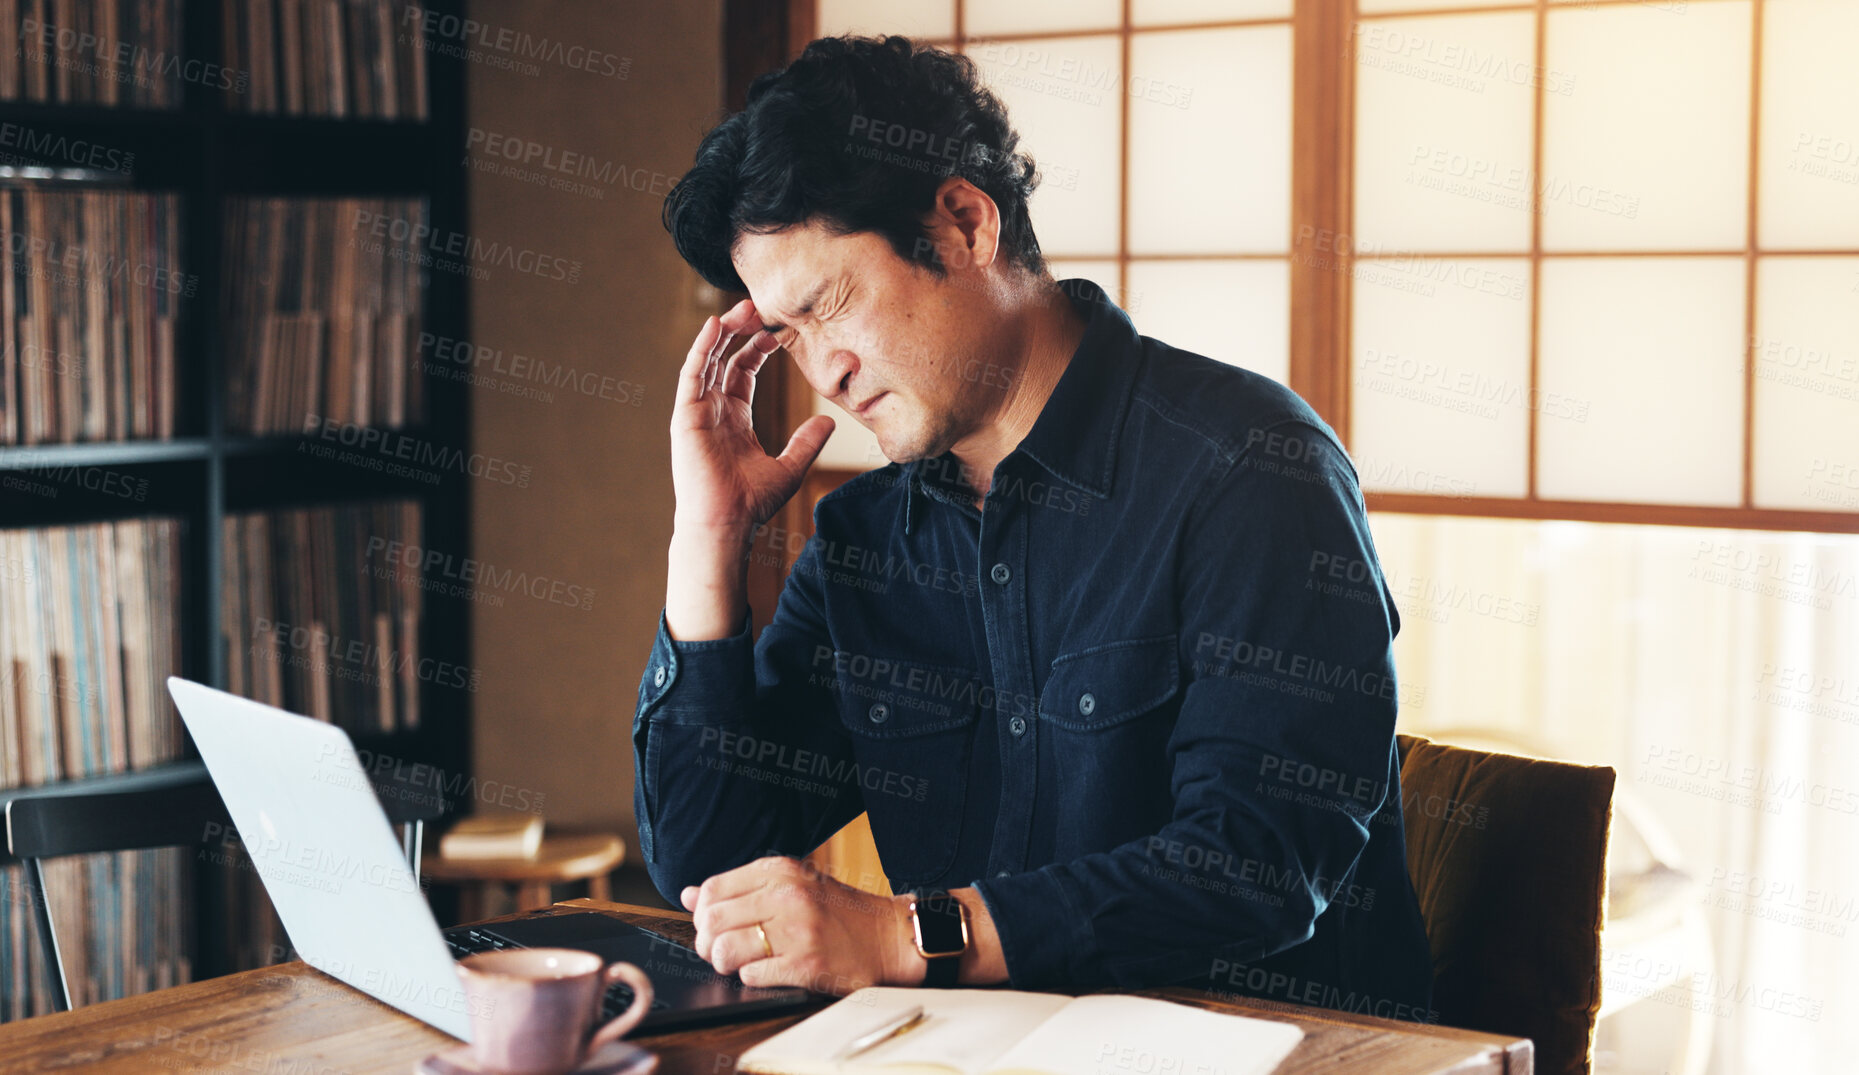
(767, 949)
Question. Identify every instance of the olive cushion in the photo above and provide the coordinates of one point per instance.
(1508, 856)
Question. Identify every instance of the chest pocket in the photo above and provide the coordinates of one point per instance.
(912, 727)
(1103, 686)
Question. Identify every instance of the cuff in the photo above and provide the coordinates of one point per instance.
(707, 681)
(1041, 927)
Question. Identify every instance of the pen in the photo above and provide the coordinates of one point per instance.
(890, 1029)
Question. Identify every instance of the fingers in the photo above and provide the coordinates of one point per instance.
(691, 376)
(736, 949)
(743, 879)
(800, 971)
(742, 317)
(738, 912)
(732, 899)
(713, 360)
(739, 376)
(701, 370)
(737, 320)
(716, 918)
(804, 446)
(767, 973)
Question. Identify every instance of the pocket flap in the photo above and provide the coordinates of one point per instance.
(890, 698)
(1111, 683)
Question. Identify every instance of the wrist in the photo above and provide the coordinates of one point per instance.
(906, 965)
(706, 586)
(733, 535)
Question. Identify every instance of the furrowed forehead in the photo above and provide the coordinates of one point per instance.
(792, 269)
(799, 308)
(778, 270)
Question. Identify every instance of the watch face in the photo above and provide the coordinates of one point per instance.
(941, 924)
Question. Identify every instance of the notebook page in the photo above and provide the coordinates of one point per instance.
(1106, 1034)
(966, 1029)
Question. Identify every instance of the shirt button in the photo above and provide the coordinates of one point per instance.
(1001, 574)
(1086, 703)
(879, 713)
(1003, 873)
(658, 677)
(1017, 725)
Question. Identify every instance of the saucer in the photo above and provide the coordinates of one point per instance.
(617, 1058)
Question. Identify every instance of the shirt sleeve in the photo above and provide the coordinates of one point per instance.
(737, 753)
(1279, 756)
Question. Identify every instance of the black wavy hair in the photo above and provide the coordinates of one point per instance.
(857, 133)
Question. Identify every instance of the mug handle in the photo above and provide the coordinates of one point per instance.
(626, 1020)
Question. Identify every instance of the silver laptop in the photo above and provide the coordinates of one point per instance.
(308, 816)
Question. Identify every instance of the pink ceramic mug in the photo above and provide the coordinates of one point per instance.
(531, 1008)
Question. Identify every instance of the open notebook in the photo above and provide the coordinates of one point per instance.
(1002, 1031)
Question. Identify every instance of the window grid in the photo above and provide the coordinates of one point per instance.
(1329, 390)
(1747, 514)
(1125, 31)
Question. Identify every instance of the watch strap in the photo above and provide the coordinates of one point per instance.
(943, 971)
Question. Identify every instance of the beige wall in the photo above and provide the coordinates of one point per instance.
(554, 708)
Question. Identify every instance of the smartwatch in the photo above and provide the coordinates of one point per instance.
(940, 924)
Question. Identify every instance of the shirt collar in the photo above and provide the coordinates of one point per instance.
(1076, 434)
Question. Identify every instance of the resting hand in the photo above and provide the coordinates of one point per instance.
(824, 935)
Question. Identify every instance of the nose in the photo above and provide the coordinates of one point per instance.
(830, 374)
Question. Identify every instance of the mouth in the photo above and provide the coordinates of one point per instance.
(864, 409)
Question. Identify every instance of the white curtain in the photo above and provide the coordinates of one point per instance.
(1718, 672)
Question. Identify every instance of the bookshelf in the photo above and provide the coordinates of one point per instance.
(210, 151)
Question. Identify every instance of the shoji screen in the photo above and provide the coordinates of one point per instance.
(1162, 131)
(1608, 252)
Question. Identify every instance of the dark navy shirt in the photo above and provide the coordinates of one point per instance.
(1143, 701)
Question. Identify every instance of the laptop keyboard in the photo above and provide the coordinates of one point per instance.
(465, 942)
(470, 942)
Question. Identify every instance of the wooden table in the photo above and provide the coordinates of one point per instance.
(291, 1018)
(565, 856)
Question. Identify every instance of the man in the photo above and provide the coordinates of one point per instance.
(1104, 652)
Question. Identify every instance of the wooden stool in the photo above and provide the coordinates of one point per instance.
(567, 856)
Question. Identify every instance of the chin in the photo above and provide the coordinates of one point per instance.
(907, 452)
(909, 444)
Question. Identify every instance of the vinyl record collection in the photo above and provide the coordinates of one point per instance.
(324, 307)
(118, 53)
(364, 59)
(321, 615)
(169, 280)
(88, 634)
(89, 301)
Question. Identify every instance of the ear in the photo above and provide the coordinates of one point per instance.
(964, 223)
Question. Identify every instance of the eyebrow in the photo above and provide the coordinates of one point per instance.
(806, 307)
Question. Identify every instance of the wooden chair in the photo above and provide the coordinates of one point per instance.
(1508, 856)
(174, 806)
